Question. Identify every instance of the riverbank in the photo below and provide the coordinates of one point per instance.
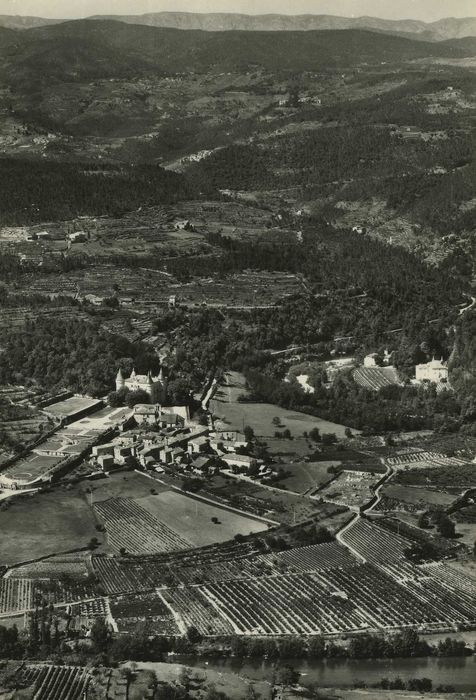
(458, 672)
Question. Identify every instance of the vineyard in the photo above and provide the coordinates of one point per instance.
(374, 543)
(144, 612)
(133, 574)
(422, 460)
(331, 601)
(316, 557)
(16, 595)
(131, 527)
(72, 565)
(20, 594)
(61, 683)
(375, 378)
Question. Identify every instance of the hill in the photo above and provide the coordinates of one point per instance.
(86, 49)
(448, 28)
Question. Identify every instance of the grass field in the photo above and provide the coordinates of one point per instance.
(124, 485)
(307, 476)
(41, 524)
(226, 407)
(191, 518)
(414, 495)
(45, 523)
(260, 417)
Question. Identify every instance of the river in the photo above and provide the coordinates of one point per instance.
(460, 672)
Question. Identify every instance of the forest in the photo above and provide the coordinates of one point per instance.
(71, 354)
(34, 191)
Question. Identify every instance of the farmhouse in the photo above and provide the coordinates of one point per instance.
(242, 461)
(435, 371)
(198, 444)
(78, 237)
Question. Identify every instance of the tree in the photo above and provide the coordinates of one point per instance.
(315, 434)
(193, 635)
(135, 397)
(100, 635)
(253, 469)
(249, 433)
(446, 527)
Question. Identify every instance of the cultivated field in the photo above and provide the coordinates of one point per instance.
(192, 519)
(329, 601)
(131, 527)
(422, 460)
(413, 499)
(350, 488)
(375, 378)
(307, 476)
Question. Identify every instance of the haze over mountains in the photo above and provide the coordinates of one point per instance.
(448, 28)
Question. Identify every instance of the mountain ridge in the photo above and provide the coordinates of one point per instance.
(443, 29)
(89, 48)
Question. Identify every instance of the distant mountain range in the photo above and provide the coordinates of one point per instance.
(443, 29)
(89, 49)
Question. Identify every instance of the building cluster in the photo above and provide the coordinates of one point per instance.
(165, 437)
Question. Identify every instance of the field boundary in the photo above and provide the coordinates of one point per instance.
(223, 506)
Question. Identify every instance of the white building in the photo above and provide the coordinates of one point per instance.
(435, 371)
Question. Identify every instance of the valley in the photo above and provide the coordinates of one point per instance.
(237, 356)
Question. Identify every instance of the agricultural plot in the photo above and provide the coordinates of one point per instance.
(192, 519)
(330, 601)
(193, 609)
(278, 505)
(450, 477)
(144, 612)
(305, 477)
(16, 596)
(36, 525)
(124, 575)
(422, 460)
(61, 683)
(131, 527)
(71, 565)
(396, 497)
(315, 557)
(375, 378)
(374, 543)
(350, 488)
(19, 595)
(91, 608)
(234, 414)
